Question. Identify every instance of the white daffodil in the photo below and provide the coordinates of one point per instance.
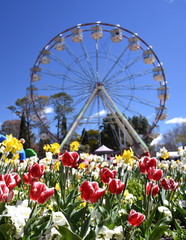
(165, 210)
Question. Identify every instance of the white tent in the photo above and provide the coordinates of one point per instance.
(103, 150)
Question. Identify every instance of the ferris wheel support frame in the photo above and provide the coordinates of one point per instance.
(122, 124)
(128, 126)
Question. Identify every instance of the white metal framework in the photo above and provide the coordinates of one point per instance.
(105, 69)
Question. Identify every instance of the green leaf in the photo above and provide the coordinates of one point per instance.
(77, 215)
(2, 207)
(150, 219)
(39, 229)
(7, 231)
(91, 235)
(85, 226)
(67, 234)
(158, 232)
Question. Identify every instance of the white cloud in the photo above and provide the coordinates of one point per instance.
(179, 120)
(170, 1)
(156, 140)
(100, 113)
(48, 110)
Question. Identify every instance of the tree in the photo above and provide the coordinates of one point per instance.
(93, 139)
(89, 140)
(110, 133)
(11, 127)
(62, 106)
(23, 108)
(141, 126)
(174, 138)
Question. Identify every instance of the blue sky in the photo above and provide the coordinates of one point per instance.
(27, 26)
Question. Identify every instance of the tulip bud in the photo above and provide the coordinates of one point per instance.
(116, 186)
(155, 174)
(40, 193)
(106, 175)
(70, 159)
(135, 218)
(152, 188)
(91, 192)
(36, 170)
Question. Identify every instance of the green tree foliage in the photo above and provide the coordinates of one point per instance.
(61, 103)
(24, 109)
(141, 126)
(89, 140)
(11, 127)
(110, 133)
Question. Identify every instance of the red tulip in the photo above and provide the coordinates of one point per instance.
(152, 188)
(36, 170)
(2, 178)
(70, 159)
(28, 179)
(10, 181)
(169, 184)
(91, 192)
(146, 163)
(40, 193)
(106, 175)
(17, 178)
(4, 191)
(135, 218)
(116, 186)
(155, 174)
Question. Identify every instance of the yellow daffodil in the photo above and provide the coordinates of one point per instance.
(165, 155)
(74, 146)
(53, 148)
(56, 166)
(16, 156)
(82, 166)
(12, 144)
(128, 156)
(57, 187)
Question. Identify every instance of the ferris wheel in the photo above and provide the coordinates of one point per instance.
(95, 69)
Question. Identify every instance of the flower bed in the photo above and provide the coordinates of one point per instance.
(82, 196)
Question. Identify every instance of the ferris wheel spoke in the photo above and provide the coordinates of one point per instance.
(76, 59)
(87, 57)
(63, 77)
(113, 66)
(67, 67)
(123, 69)
(141, 100)
(108, 53)
(131, 76)
(128, 87)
